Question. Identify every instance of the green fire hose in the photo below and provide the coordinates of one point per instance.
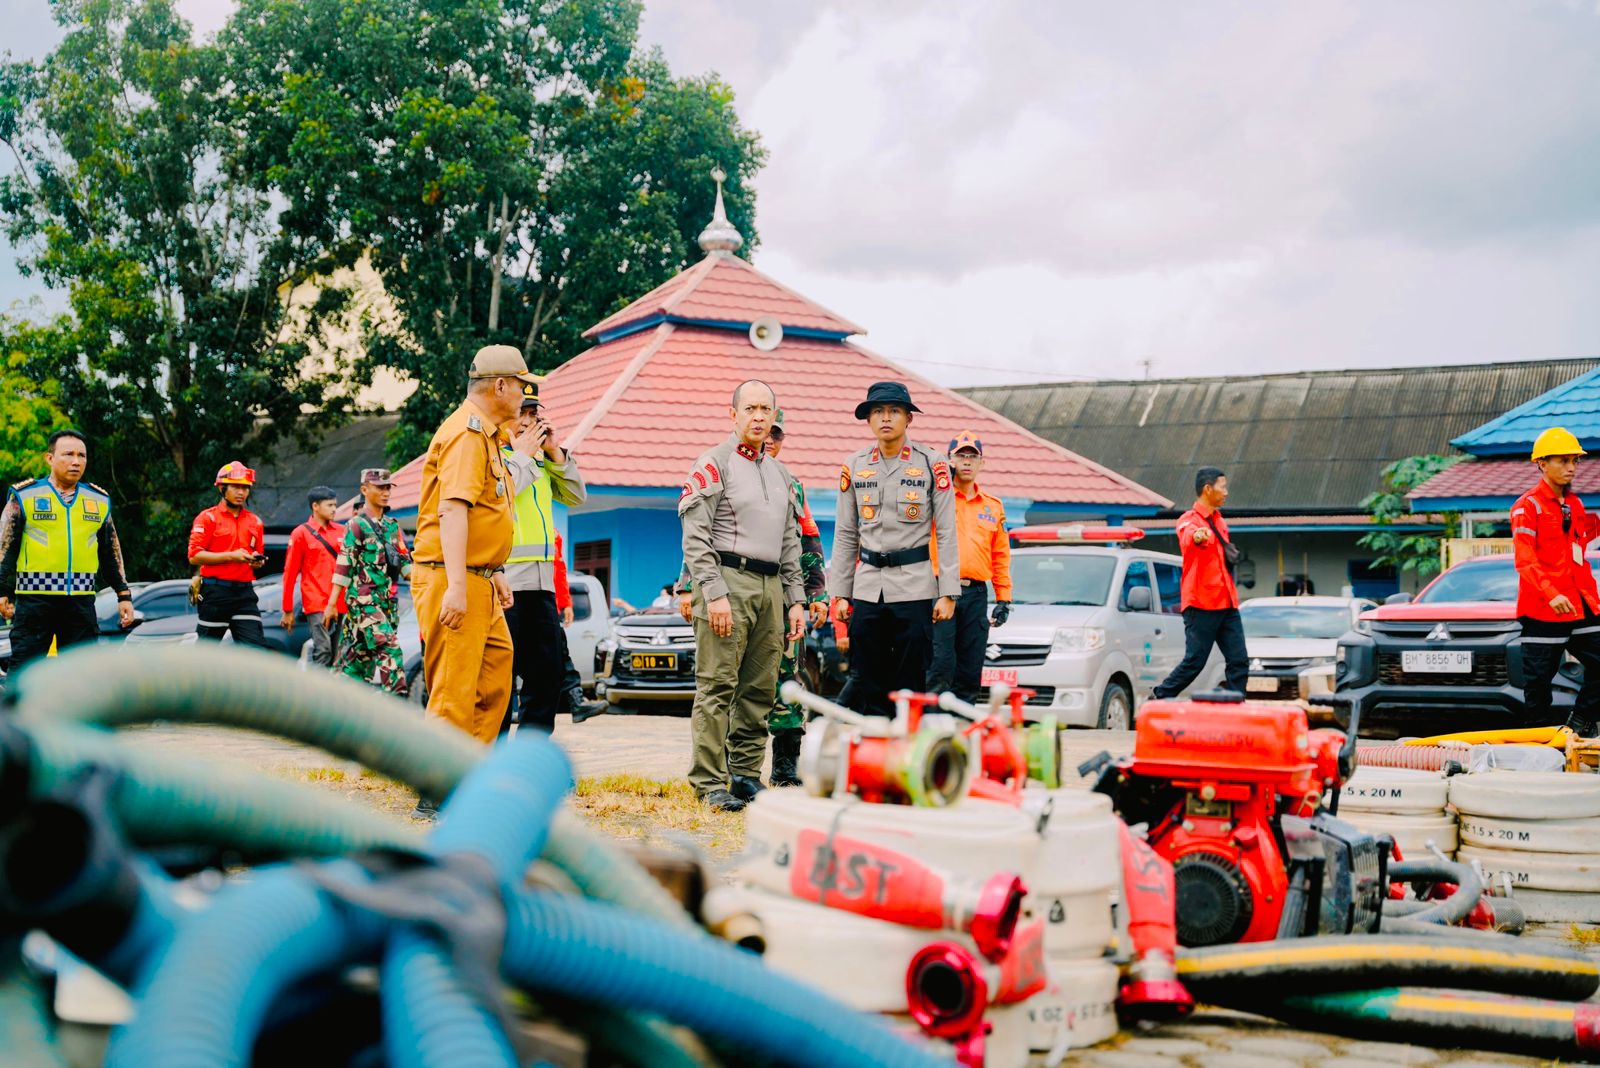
(248, 689)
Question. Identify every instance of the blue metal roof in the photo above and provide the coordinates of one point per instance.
(1574, 405)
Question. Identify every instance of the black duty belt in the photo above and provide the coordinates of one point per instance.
(898, 558)
(745, 563)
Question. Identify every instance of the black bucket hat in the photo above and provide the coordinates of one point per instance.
(886, 393)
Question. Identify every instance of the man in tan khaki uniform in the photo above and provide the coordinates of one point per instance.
(464, 534)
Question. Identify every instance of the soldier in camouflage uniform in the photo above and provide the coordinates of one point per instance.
(788, 722)
(372, 561)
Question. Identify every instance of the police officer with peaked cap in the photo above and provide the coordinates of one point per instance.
(895, 499)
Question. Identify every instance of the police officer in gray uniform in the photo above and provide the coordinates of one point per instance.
(741, 544)
(894, 499)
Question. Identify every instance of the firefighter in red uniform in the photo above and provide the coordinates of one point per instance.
(228, 543)
(1557, 602)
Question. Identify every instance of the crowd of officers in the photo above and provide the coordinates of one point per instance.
(488, 581)
(754, 574)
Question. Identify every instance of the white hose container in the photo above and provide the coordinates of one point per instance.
(1396, 790)
(973, 840)
(1077, 1010)
(1411, 833)
(1532, 836)
(1006, 1046)
(860, 961)
(1079, 867)
(1554, 906)
(1568, 872)
(1527, 795)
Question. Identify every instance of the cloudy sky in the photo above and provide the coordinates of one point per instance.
(1016, 191)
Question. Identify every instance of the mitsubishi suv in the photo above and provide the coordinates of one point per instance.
(1094, 625)
(1450, 660)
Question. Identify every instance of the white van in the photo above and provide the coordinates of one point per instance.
(1094, 625)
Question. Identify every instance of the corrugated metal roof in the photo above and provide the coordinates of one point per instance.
(1345, 425)
(1574, 405)
(336, 460)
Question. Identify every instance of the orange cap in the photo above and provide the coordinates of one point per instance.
(964, 440)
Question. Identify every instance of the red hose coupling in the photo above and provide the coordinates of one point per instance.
(1153, 991)
(994, 915)
(946, 992)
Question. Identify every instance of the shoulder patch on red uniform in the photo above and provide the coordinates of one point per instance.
(941, 474)
(844, 478)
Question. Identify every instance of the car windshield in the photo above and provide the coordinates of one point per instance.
(1478, 580)
(1061, 578)
(1294, 620)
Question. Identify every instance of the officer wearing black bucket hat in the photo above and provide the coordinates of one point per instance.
(895, 507)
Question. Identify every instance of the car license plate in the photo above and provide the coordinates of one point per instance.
(654, 661)
(991, 676)
(1261, 684)
(1436, 661)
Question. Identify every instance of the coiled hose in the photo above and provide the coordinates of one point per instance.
(1437, 915)
(1553, 1029)
(250, 689)
(286, 925)
(1336, 963)
(1415, 757)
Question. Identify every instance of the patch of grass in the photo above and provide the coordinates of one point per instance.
(367, 787)
(1587, 937)
(632, 806)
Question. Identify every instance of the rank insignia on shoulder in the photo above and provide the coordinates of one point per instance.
(941, 475)
(474, 423)
(844, 479)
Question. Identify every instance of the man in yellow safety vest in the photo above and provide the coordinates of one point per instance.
(538, 644)
(57, 547)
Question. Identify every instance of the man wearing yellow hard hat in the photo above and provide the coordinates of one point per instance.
(1558, 603)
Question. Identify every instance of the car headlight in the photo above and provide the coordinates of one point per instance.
(1078, 639)
(1339, 657)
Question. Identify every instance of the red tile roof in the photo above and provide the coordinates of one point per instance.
(725, 288)
(640, 408)
(1496, 478)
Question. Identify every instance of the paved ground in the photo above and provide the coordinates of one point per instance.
(657, 746)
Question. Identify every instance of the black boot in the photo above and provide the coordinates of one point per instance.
(745, 787)
(723, 801)
(581, 709)
(1582, 726)
(785, 756)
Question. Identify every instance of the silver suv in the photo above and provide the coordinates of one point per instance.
(1094, 624)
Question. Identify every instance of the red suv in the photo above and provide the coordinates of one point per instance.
(1450, 660)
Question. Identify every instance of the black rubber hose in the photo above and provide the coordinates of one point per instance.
(1261, 971)
(1446, 1019)
(1453, 909)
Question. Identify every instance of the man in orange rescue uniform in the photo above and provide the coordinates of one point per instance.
(1210, 599)
(1557, 602)
(464, 534)
(958, 643)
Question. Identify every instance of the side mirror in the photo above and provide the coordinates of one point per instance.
(1139, 599)
(1397, 598)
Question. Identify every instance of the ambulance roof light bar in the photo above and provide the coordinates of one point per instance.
(1075, 534)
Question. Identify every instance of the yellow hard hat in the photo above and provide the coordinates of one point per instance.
(1557, 441)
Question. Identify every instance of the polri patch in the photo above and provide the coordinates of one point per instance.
(844, 479)
(941, 475)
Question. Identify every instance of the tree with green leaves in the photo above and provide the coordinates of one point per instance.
(514, 169)
(131, 193)
(1408, 550)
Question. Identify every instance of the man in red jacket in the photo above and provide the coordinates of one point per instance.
(228, 544)
(313, 547)
(1209, 599)
(1557, 602)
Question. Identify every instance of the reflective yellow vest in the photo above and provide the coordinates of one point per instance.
(60, 545)
(535, 538)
